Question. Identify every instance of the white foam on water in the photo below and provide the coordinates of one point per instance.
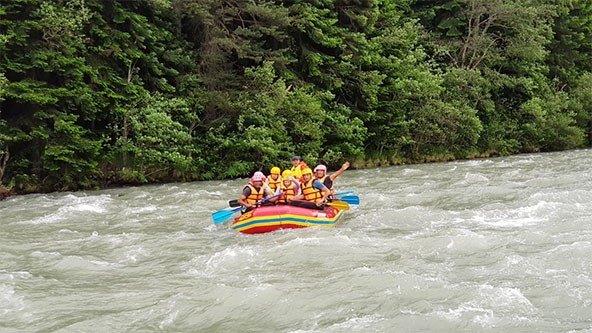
(171, 312)
(409, 171)
(81, 264)
(310, 238)
(357, 323)
(572, 196)
(169, 320)
(515, 217)
(114, 240)
(83, 207)
(506, 297)
(471, 178)
(68, 231)
(556, 272)
(474, 163)
(229, 259)
(302, 241)
(588, 330)
(180, 235)
(45, 255)
(70, 206)
(139, 210)
(584, 246)
(467, 241)
(455, 314)
(451, 244)
(10, 302)
(492, 306)
(47, 219)
(12, 276)
(214, 193)
(134, 254)
(141, 195)
(91, 203)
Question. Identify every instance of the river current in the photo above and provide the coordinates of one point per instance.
(488, 245)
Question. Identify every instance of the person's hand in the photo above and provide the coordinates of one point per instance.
(324, 201)
(345, 166)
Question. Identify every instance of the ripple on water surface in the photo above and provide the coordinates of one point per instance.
(485, 245)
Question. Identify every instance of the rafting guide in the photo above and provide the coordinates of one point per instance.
(295, 198)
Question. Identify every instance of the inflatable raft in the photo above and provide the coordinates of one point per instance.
(272, 218)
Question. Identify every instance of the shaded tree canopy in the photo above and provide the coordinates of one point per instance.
(94, 93)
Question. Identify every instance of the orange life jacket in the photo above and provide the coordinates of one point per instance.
(274, 184)
(288, 192)
(255, 196)
(310, 193)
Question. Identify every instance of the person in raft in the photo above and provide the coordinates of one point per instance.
(289, 188)
(312, 190)
(274, 179)
(255, 191)
(297, 176)
(298, 163)
(320, 172)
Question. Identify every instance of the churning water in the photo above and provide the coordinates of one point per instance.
(486, 245)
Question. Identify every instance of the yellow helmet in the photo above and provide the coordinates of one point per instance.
(297, 173)
(275, 171)
(306, 171)
(286, 174)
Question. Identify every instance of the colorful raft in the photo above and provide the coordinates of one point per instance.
(272, 218)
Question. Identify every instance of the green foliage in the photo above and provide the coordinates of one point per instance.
(571, 48)
(156, 143)
(70, 158)
(554, 126)
(580, 103)
(99, 92)
(442, 128)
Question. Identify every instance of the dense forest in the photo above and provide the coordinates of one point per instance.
(97, 93)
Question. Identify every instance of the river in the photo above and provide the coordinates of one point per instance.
(500, 244)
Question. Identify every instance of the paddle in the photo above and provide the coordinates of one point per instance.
(235, 203)
(348, 196)
(341, 205)
(350, 199)
(223, 215)
(345, 193)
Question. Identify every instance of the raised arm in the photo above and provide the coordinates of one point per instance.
(339, 172)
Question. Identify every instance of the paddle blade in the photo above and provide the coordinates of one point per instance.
(351, 199)
(345, 193)
(224, 215)
(341, 205)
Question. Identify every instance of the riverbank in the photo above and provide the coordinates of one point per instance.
(4, 193)
(356, 164)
